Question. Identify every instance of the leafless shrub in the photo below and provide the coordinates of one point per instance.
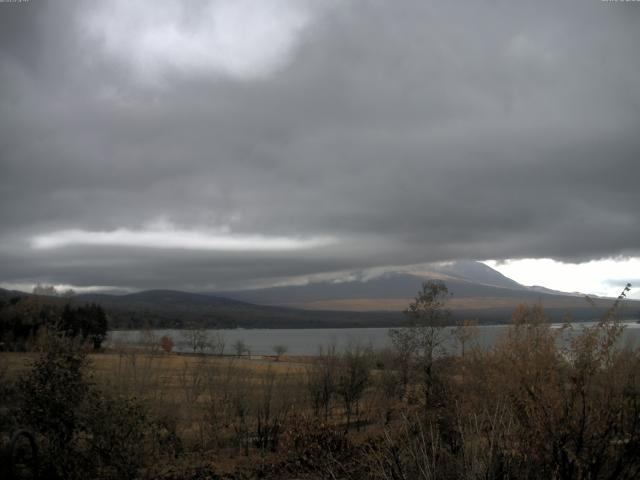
(191, 379)
(166, 343)
(271, 411)
(279, 350)
(197, 339)
(219, 410)
(464, 333)
(217, 343)
(410, 451)
(321, 380)
(240, 347)
(353, 377)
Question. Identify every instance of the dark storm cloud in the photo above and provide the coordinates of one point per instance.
(405, 131)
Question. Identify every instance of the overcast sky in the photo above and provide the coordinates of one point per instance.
(212, 145)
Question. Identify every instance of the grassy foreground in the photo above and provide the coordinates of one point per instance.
(531, 407)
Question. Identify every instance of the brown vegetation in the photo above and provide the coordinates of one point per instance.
(543, 403)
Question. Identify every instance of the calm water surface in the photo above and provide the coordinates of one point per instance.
(307, 341)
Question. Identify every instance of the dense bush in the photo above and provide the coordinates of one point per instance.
(85, 432)
(544, 403)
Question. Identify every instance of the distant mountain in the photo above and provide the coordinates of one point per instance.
(391, 286)
(476, 289)
(164, 298)
(176, 309)
(478, 272)
(538, 288)
(464, 280)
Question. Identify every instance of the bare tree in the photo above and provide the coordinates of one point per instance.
(279, 350)
(240, 348)
(353, 378)
(240, 400)
(218, 343)
(423, 337)
(197, 339)
(321, 380)
(465, 332)
(148, 340)
(166, 342)
(404, 345)
(272, 407)
(192, 380)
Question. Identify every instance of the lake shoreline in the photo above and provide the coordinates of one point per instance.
(307, 341)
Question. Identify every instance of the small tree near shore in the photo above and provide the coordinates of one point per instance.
(240, 348)
(279, 350)
(166, 343)
(197, 339)
(423, 336)
(464, 333)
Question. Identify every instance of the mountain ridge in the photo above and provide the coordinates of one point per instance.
(464, 279)
(477, 291)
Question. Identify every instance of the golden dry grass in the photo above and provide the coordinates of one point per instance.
(165, 377)
(197, 392)
(170, 363)
(468, 303)
(104, 363)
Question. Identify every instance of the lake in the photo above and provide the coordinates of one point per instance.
(299, 341)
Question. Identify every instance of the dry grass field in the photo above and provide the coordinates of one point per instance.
(527, 408)
(110, 363)
(456, 304)
(210, 402)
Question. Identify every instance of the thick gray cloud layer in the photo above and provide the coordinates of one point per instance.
(404, 131)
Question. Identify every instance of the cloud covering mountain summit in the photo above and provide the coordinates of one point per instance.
(407, 132)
